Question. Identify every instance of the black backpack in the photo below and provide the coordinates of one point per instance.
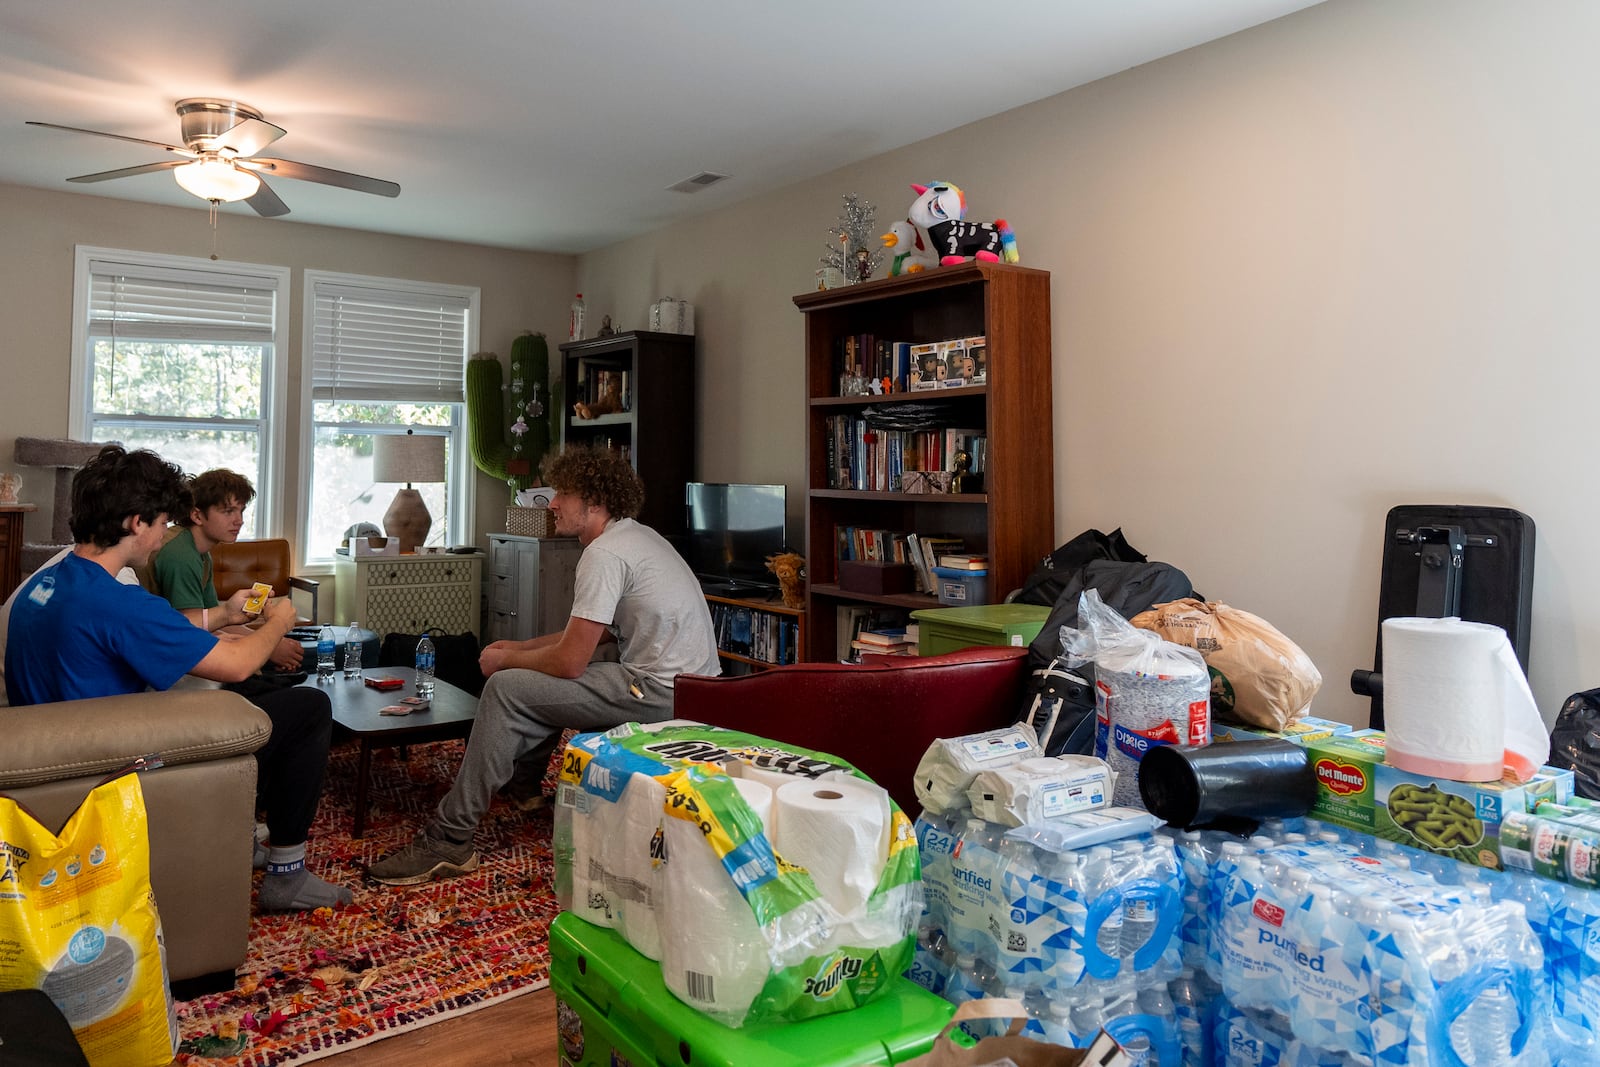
(455, 657)
(1050, 577)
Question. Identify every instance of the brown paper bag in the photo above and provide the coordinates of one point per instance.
(1258, 676)
(1022, 1051)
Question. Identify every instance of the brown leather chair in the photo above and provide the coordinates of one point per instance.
(243, 563)
(880, 715)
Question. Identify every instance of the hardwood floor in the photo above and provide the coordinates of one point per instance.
(520, 1031)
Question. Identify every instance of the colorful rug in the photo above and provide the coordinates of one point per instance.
(319, 984)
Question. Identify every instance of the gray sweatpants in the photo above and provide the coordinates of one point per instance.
(523, 710)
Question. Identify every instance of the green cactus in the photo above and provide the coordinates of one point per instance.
(510, 446)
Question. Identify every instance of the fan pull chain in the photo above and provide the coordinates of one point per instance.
(213, 216)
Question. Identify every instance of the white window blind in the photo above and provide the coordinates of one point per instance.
(388, 344)
(166, 304)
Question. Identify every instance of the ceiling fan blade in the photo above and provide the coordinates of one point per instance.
(249, 136)
(288, 168)
(128, 172)
(266, 203)
(117, 137)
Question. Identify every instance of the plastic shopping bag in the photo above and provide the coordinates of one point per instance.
(78, 920)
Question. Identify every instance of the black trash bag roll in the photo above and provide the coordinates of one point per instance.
(1575, 742)
(1223, 784)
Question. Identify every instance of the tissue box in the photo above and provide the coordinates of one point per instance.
(1355, 789)
(612, 1007)
(869, 576)
(530, 522)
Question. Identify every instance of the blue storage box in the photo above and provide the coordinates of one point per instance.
(961, 589)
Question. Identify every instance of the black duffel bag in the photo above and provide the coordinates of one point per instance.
(455, 656)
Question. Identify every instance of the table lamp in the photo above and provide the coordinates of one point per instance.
(409, 458)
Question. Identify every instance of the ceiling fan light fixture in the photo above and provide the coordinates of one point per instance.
(212, 179)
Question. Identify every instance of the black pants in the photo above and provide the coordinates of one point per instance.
(290, 766)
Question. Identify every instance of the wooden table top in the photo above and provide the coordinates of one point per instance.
(356, 705)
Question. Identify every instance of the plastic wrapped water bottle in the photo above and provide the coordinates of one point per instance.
(325, 646)
(424, 667)
(938, 838)
(352, 650)
(973, 870)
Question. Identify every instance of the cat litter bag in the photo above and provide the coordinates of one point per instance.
(747, 932)
(1148, 691)
(78, 921)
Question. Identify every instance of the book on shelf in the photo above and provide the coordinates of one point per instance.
(904, 648)
(934, 547)
(958, 562)
(886, 637)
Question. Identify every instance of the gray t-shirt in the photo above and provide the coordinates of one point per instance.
(631, 581)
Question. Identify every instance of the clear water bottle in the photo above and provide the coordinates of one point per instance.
(425, 667)
(575, 322)
(352, 650)
(325, 645)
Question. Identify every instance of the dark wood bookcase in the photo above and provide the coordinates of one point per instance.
(767, 648)
(658, 427)
(1013, 518)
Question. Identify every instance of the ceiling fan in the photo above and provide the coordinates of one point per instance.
(219, 160)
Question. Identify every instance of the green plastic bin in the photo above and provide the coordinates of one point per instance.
(613, 1009)
(943, 630)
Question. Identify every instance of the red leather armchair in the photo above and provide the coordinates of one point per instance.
(879, 715)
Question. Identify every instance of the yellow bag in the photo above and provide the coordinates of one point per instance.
(78, 920)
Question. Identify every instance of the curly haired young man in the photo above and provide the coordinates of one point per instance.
(638, 620)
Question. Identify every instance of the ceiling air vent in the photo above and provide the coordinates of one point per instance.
(698, 182)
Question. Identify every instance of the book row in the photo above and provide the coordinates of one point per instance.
(861, 456)
(602, 383)
(923, 551)
(863, 364)
(852, 620)
(760, 635)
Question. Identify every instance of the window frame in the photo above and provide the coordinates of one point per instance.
(463, 498)
(274, 376)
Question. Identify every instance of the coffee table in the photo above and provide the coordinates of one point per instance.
(356, 708)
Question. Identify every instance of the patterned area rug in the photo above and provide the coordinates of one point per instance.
(316, 985)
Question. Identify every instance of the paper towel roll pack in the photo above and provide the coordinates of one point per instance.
(1031, 790)
(947, 768)
(1456, 704)
(682, 859)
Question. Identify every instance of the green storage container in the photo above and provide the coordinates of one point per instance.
(613, 1009)
(943, 630)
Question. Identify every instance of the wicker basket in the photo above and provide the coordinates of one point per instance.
(530, 522)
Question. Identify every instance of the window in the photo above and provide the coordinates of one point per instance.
(384, 356)
(182, 356)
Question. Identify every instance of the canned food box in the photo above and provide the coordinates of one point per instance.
(1301, 731)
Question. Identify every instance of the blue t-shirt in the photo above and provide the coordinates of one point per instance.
(77, 632)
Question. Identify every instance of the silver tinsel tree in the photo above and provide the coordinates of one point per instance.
(855, 251)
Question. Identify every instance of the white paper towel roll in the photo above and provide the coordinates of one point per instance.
(713, 955)
(591, 816)
(629, 867)
(839, 831)
(1455, 701)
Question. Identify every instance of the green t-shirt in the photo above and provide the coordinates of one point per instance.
(183, 573)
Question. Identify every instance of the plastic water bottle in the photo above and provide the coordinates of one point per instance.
(973, 870)
(352, 651)
(425, 667)
(575, 322)
(325, 643)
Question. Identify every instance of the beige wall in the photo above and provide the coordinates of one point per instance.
(1339, 262)
(39, 229)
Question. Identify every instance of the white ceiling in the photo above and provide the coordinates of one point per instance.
(555, 125)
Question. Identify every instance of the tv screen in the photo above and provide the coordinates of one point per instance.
(732, 529)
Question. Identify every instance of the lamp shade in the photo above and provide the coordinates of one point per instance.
(213, 179)
(408, 458)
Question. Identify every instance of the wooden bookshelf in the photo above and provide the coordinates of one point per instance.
(1012, 519)
(767, 615)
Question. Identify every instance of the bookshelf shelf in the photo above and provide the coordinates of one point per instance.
(657, 429)
(776, 633)
(1013, 519)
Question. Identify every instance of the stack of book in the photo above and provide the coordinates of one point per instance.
(964, 562)
(888, 642)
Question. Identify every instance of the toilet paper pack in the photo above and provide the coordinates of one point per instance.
(745, 932)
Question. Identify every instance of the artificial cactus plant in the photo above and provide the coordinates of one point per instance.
(508, 437)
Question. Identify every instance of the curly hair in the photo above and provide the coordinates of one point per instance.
(214, 489)
(117, 484)
(598, 476)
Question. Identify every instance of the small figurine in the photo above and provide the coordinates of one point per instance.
(963, 469)
(606, 329)
(940, 209)
(863, 264)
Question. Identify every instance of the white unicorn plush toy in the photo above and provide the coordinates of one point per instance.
(941, 208)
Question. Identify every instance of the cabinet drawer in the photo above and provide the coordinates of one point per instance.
(420, 572)
(503, 593)
(502, 557)
(412, 610)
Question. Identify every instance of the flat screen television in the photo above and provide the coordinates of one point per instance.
(732, 529)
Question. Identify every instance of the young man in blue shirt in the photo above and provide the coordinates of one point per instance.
(76, 632)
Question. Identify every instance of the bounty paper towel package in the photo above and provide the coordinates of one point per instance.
(769, 904)
(948, 767)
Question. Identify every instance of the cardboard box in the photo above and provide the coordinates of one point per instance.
(870, 576)
(1301, 732)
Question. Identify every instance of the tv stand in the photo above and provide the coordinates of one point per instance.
(753, 634)
(736, 589)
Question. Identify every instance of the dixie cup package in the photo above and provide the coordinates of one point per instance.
(772, 883)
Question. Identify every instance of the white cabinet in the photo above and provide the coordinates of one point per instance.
(530, 585)
(409, 594)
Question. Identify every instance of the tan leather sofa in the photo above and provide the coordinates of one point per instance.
(200, 803)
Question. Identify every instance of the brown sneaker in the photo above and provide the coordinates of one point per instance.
(424, 860)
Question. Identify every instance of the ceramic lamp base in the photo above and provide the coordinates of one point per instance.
(407, 520)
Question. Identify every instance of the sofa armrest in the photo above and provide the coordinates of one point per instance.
(49, 742)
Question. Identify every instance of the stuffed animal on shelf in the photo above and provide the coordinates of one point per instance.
(911, 251)
(790, 567)
(610, 398)
(941, 208)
